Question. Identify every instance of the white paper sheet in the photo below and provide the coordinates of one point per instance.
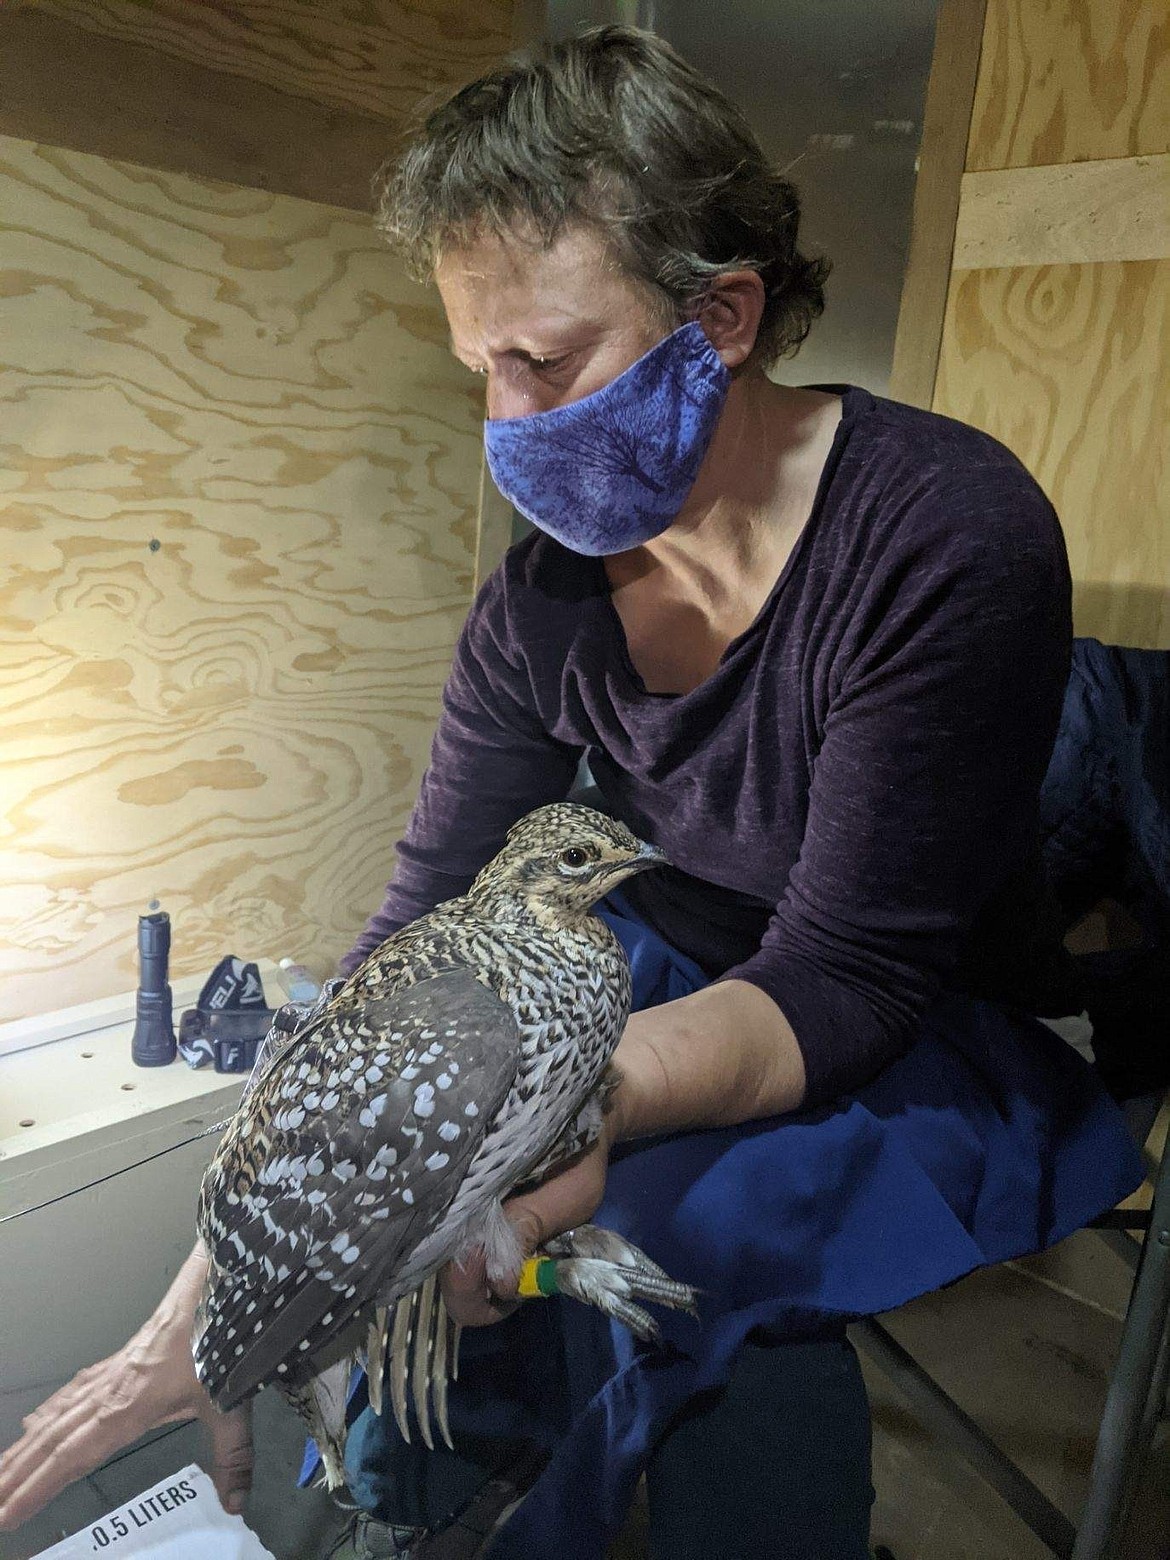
(179, 1518)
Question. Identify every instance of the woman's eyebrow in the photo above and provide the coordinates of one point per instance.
(555, 348)
(459, 357)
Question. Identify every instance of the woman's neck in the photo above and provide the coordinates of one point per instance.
(751, 499)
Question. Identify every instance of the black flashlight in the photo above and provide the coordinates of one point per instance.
(154, 1030)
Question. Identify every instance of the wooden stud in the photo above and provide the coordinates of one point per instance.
(946, 122)
(1114, 209)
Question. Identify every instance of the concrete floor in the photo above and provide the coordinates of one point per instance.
(1026, 1348)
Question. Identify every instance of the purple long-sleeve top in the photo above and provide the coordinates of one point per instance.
(850, 800)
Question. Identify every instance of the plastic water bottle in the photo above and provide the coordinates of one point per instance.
(299, 984)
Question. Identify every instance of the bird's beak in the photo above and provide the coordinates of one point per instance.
(649, 856)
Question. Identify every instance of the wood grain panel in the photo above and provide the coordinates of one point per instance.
(299, 98)
(936, 199)
(370, 57)
(1069, 80)
(55, 89)
(1070, 366)
(238, 484)
(1116, 209)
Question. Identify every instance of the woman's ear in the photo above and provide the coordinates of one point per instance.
(730, 314)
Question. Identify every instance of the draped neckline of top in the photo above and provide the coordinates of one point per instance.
(854, 401)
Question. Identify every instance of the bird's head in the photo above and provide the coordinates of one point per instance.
(560, 860)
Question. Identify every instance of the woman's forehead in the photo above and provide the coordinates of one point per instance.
(493, 285)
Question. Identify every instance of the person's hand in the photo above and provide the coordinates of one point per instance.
(148, 1383)
(568, 1197)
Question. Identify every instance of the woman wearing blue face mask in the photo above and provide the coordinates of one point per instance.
(813, 644)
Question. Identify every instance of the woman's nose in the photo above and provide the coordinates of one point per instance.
(505, 400)
(513, 395)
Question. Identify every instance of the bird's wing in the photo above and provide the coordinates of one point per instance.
(347, 1154)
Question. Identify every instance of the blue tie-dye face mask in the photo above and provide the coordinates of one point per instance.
(612, 470)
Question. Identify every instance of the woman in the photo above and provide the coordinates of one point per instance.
(811, 643)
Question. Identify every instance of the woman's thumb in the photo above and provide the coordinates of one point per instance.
(231, 1455)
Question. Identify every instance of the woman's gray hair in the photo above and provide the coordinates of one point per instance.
(613, 129)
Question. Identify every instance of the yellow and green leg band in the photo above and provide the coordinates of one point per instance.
(538, 1278)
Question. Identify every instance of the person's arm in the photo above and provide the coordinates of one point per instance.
(492, 760)
(148, 1383)
(720, 1056)
(715, 1058)
(923, 803)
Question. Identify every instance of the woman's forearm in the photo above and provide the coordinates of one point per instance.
(720, 1056)
(178, 1306)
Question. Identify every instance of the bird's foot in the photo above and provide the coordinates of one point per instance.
(602, 1269)
(416, 1342)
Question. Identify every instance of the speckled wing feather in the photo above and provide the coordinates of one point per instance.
(345, 1156)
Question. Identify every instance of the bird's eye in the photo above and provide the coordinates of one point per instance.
(573, 857)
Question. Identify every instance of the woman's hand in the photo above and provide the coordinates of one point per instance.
(568, 1197)
(722, 1055)
(148, 1383)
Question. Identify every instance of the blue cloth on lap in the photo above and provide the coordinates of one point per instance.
(990, 1138)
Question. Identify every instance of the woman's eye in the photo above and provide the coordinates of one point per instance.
(574, 857)
(548, 365)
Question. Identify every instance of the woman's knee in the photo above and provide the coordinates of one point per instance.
(776, 1463)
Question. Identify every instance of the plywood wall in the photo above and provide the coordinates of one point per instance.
(1068, 365)
(295, 96)
(372, 57)
(1064, 81)
(1055, 334)
(238, 495)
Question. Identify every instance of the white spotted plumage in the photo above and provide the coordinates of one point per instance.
(378, 1141)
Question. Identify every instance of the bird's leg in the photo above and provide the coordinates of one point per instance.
(321, 1404)
(602, 1269)
(496, 1237)
(420, 1343)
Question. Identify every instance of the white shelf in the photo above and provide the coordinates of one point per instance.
(75, 1109)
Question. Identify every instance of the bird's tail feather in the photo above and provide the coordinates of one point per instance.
(421, 1348)
(376, 1341)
